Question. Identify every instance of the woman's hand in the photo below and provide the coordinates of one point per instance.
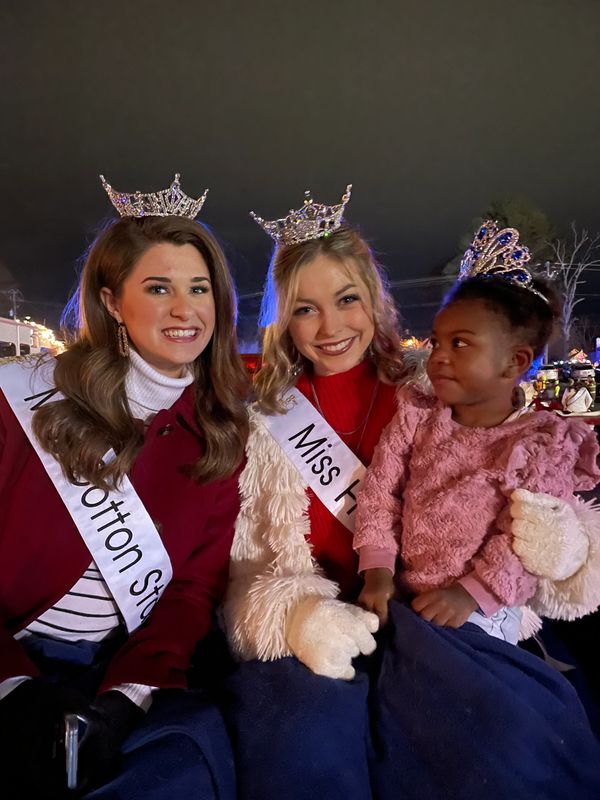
(451, 606)
(112, 716)
(31, 726)
(377, 591)
(547, 535)
(327, 634)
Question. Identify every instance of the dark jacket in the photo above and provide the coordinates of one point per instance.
(42, 554)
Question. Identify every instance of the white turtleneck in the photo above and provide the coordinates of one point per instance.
(149, 391)
(88, 611)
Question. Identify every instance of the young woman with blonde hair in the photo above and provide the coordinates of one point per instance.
(332, 363)
(349, 251)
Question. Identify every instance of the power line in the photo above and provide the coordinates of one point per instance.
(250, 295)
(435, 280)
(47, 303)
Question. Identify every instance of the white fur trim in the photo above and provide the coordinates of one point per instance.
(530, 623)
(272, 567)
(415, 361)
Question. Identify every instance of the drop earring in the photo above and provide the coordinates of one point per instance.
(122, 340)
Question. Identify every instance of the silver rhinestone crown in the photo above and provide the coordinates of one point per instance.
(311, 221)
(496, 252)
(171, 202)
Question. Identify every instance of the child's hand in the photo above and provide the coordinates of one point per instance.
(451, 606)
(378, 588)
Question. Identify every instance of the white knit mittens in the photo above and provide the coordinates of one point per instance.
(327, 634)
(548, 536)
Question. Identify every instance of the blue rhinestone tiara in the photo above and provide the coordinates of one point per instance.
(496, 252)
(311, 221)
(171, 202)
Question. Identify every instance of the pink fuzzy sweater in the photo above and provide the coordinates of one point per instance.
(436, 494)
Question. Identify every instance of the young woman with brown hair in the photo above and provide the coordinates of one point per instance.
(118, 487)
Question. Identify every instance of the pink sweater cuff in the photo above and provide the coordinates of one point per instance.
(371, 557)
(486, 600)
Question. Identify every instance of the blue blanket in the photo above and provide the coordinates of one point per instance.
(297, 735)
(459, 715)
(180, 752)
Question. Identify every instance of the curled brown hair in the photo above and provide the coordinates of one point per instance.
(94, 416)
(280, 357)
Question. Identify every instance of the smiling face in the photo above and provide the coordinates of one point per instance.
(167, 305)
(331, 323)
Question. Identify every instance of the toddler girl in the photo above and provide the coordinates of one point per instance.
(436, 496)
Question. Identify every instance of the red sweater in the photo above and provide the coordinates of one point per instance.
(42, 553)
(345, 400)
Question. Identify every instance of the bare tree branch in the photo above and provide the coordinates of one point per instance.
(569, 263)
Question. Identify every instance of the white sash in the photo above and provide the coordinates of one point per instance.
(115, 526)
(327, 465)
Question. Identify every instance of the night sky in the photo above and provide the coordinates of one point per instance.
(432, 109)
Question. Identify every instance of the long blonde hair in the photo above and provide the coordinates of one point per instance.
(91, 374)
(281, 360)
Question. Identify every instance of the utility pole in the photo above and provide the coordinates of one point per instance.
(16, 297)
